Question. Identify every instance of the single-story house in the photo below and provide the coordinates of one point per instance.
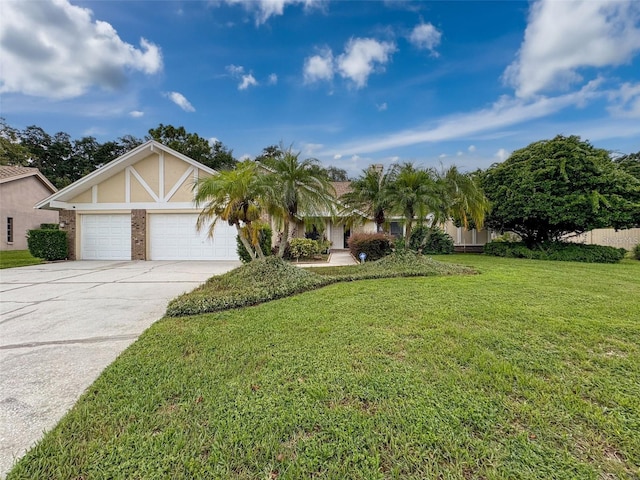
(140, 207)
(21, 188)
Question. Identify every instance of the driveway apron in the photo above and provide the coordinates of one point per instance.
(62, 323)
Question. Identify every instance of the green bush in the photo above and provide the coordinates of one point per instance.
(48, 244)
(304, 248)
(265, 244)
(49, 226)
(561, 251)
(430, 241)
(636, 252)
(374, 245)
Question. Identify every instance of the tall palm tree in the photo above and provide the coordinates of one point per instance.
(294, 187)
(368, 195)
(233, 196)
(413, 193)
(463, 198)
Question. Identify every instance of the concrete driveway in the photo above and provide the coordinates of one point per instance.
(61, 324)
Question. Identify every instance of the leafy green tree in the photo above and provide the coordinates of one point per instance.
(461, 198)
(269, 153)
(234, 197)
(630, 163)
(368, 195)
(295, 187)
(336, 174)
(215, 156)
(413, 193)
(555, 187)
(12, 152)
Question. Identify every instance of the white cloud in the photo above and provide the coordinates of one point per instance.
(382, 107)
(426, 37)
(244, 157)
(273, 79)
(136, 113)
(337, 156)
(235, 70)
(319, 67)
(312, 148)
(506, 112)
(181, 101)
(213, 140)
(459, 154)
(361, 58)
(626, 101)
(442, 155)
(247, 81)
(54, 49)
(564, 36)
(472, 148)
(502, 155)
(265, 9)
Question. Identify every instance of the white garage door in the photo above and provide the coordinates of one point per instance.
(105, 237)
(173, 236)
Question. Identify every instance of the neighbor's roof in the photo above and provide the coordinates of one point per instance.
(341, 188)
(10, 173)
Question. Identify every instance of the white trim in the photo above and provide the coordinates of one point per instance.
(161, 175)
(144, 183)
(84, 207)
(179, 183)
(94, 194)
(127, 185)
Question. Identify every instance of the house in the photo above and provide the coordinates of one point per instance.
(21, 188)
(140, 207)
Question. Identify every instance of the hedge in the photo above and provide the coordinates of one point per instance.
(430, 241)
(48, 244)
(374, 245)
(561, 251)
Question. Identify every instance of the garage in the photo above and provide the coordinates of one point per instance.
(105, 237)
(173, 236)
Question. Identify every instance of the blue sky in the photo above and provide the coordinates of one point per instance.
(348, 82)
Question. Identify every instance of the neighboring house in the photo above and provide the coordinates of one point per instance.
(627, 238)
(140, 207)
(21, 188)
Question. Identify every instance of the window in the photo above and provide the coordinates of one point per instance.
(9, 229)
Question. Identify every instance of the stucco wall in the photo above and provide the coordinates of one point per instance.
(17, 199)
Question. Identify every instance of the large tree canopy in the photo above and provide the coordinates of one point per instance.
(214, 155)
(556, 187)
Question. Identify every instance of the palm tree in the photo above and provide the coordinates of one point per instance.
(413, 193)
(294, 186)
(233, 196)
(368, 195)
(464, 199)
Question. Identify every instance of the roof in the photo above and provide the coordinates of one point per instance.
(115, 166)
(10, 173)
(341, 188)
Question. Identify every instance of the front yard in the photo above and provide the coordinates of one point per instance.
(17, 258)
(530, 369)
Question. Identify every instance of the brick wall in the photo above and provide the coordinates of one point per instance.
(68, 217)
(138, 234)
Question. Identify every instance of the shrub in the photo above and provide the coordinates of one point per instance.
(374, 245)
(431, 241)
(48, 244)
(265, 243)
(304, 248)
(561, 251)
(636, 252)
(49, 226)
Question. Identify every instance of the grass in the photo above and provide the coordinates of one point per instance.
(17, 258)
(272, 278)
(530, 370)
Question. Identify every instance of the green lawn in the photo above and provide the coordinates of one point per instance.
(529, 370)
(17, 258)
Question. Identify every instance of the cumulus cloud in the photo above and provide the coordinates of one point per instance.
(361, 57)
(181, 101)
(247, 81)
(472, 148)
(265, 9)
(626, 101)
(337, 156)
(563, 37)
(136, 113)
(273, 79)
(57, 50)
(381, 107)
(235, 70)
(426, 37)
(319, 67)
